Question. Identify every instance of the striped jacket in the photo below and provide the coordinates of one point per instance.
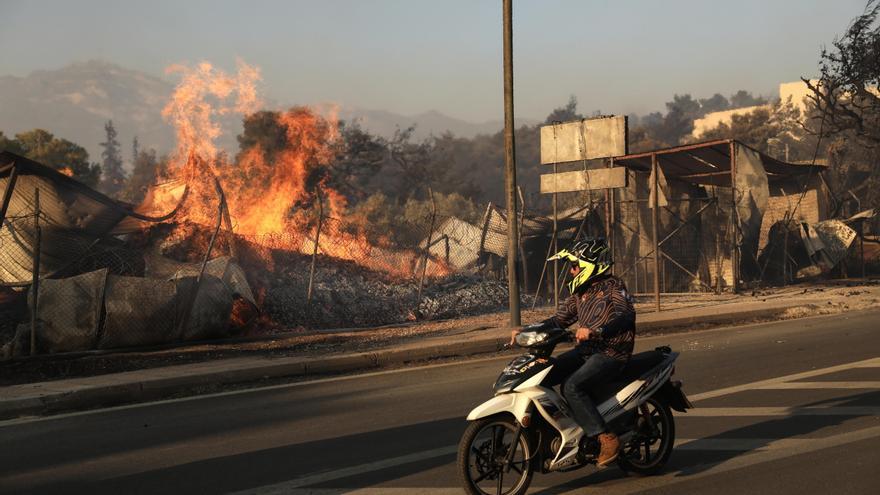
(605, 307)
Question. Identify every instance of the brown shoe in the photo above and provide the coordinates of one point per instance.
(609, 446)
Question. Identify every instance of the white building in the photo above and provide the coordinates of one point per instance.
(796, 90)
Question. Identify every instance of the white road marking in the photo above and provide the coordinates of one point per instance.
(821, 385)
(313, 479)
(721, 412)
(868, 363)
(36, 419)
(747, 444)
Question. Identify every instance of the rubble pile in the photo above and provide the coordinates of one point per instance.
(345, 294)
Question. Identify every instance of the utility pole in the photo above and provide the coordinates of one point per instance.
(510, 168)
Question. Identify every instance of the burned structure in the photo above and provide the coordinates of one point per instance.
(70, 281)
(699, 217)
(696, 217)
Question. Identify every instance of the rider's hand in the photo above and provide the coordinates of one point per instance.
(513, 334)
(583, 333)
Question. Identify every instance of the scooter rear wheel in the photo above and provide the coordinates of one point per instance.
(482, 454)
(651, 446)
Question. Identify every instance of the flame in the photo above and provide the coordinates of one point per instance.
(270, 193)
(66, 171)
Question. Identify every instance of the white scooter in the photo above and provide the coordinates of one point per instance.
(527, 426)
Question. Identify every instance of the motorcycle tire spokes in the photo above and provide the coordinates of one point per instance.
(651, 445)
(488, 471)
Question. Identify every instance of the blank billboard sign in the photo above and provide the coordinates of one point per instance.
(583, 180)
(586, 139)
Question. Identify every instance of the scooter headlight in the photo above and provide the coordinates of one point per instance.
(528, 339)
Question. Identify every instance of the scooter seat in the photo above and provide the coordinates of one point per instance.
(638, 365)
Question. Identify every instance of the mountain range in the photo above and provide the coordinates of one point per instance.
(74, 103)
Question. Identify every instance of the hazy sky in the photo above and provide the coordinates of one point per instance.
(414, 56)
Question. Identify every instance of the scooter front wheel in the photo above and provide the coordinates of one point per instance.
(485, 465)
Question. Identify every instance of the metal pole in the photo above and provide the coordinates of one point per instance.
(193, 296)
(224, 209)
(555, 247)
(233, 251)
(734, 259)
(862, 244)
(609, 215)
(521, 246)
(510, 168)
(7, 193)
(315, 248)
(655, 214)
(35, 281)
(428, 244)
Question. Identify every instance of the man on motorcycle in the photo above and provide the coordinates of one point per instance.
(603, 309)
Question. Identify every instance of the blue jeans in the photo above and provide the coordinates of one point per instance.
(584, 372)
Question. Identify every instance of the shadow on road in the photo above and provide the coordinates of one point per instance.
(684, 463)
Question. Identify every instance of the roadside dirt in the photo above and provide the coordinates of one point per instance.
(818, 299)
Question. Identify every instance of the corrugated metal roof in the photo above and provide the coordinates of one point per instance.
(706, 163)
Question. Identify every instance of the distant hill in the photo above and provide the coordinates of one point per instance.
(433, 122)
(75, 101)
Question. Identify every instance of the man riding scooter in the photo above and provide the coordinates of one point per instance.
(603, 310)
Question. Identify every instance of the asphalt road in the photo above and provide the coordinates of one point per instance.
(787, 407)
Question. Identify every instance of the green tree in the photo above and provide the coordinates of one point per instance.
(135, 149)
(716, 103)
(846, 112)
(565, 113)
(10, 145)
(359, 157)
(846, 97)
(145, 172)
(112, 173)
(42, 147)
(743, 98)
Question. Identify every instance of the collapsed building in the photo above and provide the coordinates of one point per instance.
(71, 282)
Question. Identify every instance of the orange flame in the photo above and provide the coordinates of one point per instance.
(269, 193)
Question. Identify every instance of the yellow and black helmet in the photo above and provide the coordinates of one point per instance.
(591, 255)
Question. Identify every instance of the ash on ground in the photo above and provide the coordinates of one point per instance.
(344, 293)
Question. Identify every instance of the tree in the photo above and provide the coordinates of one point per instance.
(679, 119)
(112, 173)
(846, 96)
(135, 149)
(146, 170)
(42, 147)
(10, 145)
(846, 113)
(743, 98)
(716, 103)
(412, 162)
(359, 157)
(263, 129)
(565, 113)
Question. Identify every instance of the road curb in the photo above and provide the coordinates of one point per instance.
(74, 397)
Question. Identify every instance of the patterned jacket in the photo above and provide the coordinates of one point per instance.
(605, 307)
